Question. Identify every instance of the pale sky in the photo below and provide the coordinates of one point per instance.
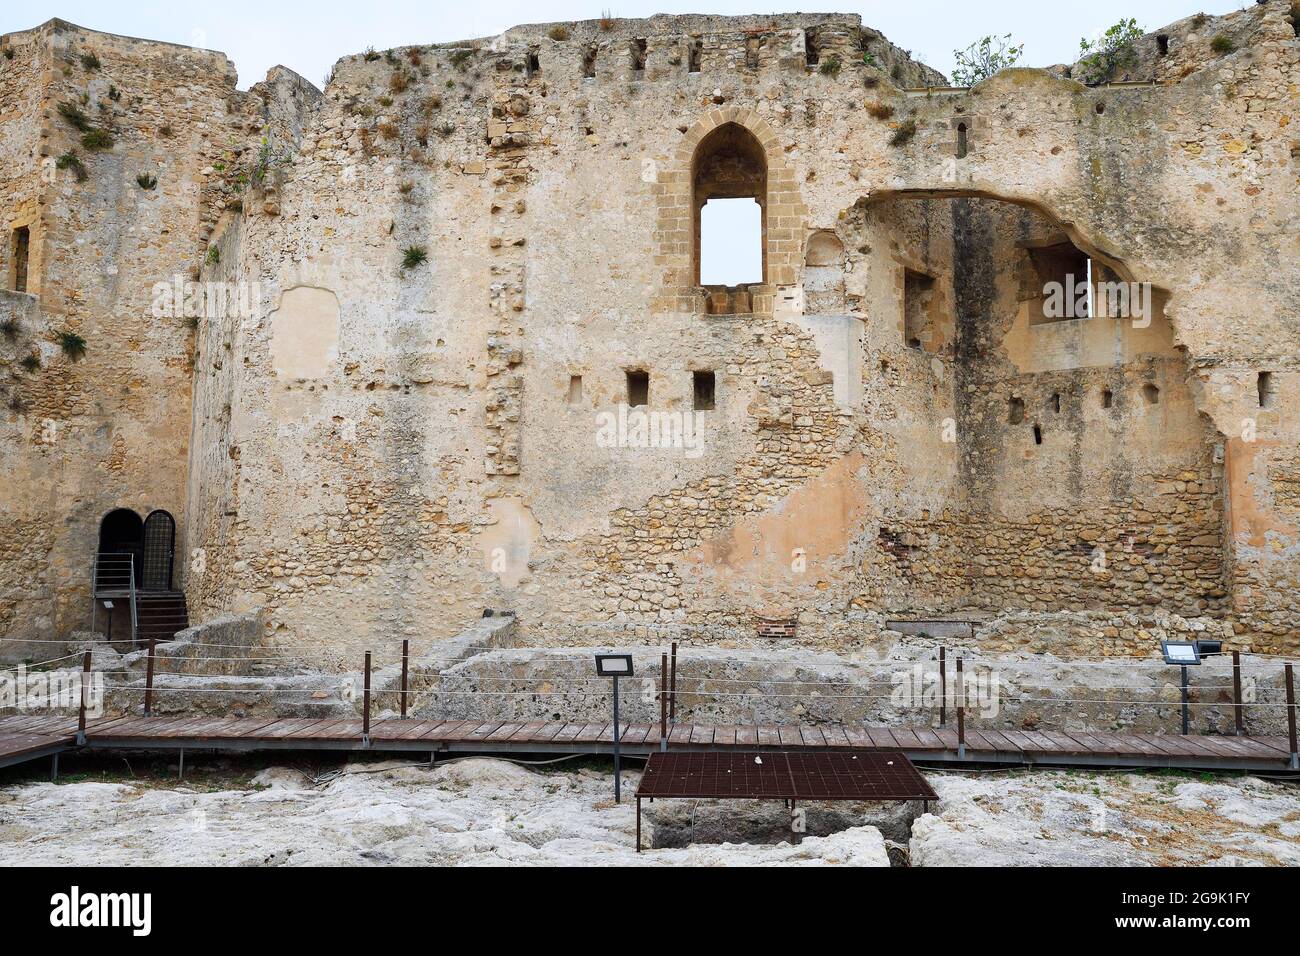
(308, 37)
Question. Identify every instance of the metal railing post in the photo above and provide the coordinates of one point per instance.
(672, 688)
(85, 694)
(1290, 717)
(148, 681)
(1239, 716)
(406, 651)
(365, 707)
(961, 712)
(663, 702)
(943, 687)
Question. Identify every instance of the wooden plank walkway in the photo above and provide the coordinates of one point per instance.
(26, 738)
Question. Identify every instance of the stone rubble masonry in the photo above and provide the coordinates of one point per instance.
(458, 252)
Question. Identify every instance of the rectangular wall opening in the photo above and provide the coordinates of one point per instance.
(731, 242)
(589, 62)
(693, 55)
(575, 390)
(19, 251)
(1266, 386)
(638, 51)
(1062, 278)
(918, 322)
(638, 388)
(705, 390)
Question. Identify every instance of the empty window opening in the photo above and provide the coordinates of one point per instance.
(19, 255)
(575, 389)
(810, 49)
(1038, 434)
(1063, 283)
(731, 242)
(589, 62)
(1016, 411)
(704, 387)
(1056, 403)
(1162, 43)
(1267, 388)
(532, 63)
(918, 312)
(961, 140)
(1151, 394)
(729, 176)
(638, 388)
(638, 52)
(693, 55)
(751, 53)
(1107, 398)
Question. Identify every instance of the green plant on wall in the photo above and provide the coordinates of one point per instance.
(146, 181)
(75, 118)
(983, 58)
(73, 345)
(830, 66)
(70, 160)
(97, 139)
(413, 256)
(1100, 58)
(89, 62)
(30, 362)
(213, 257)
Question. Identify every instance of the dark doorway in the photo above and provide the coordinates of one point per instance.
(159, 545)
(121, 536)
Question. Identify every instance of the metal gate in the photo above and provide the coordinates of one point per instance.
(159, 543)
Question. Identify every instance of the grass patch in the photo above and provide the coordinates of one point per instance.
(880, 111)
(903, 133)
(73, 345)
(213, 257)
(558, 33)
(76, 119)
(830, 66)
(90, 63)
(413, 256)
(9, 328)
(97, 139)
(72, 161)
(1222, 44)
(30, 362)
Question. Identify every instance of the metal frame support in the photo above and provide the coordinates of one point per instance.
(663, 702)
(943, 687)
(406, 652)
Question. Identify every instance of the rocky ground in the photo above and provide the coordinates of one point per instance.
(490, 812)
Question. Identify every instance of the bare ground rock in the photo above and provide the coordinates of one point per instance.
(1098, 819)
(473, 811)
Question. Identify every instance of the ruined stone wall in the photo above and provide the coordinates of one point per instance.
(459, 253)
(116, 147)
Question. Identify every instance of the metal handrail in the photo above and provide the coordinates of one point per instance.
(118, 569)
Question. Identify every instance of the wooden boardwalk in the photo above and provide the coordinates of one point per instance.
(27, 738)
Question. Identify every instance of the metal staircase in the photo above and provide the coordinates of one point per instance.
(155, 614)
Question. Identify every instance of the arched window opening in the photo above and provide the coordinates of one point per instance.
(159, 547)
(961, 140)
(729, 174)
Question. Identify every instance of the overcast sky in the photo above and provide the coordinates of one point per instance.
(309, 36)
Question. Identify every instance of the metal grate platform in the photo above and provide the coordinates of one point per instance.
(868, 775)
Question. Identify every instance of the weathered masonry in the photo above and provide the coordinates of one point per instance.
(438, 337)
